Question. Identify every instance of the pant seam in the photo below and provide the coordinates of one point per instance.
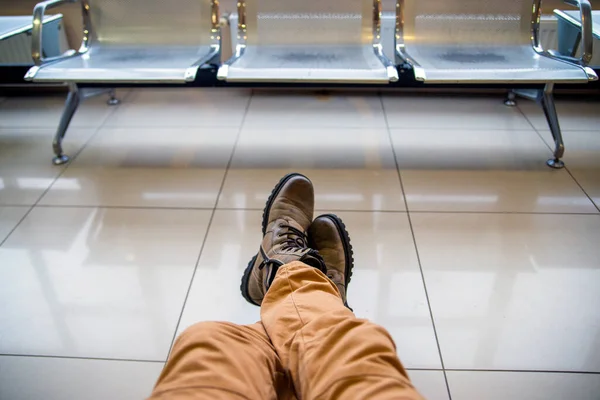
(294, 301)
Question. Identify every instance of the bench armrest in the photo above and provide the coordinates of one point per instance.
(587, 39)
(36, 33)
(586, 28)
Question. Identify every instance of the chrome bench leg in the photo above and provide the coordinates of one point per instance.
(545, 99)
(71, 105)
(113, 101)
(547, 102)
(510, 99)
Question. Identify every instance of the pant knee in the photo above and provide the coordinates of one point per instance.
(207, 328)
(205, 332)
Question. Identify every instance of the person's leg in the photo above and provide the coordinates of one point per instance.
(219, 360)
(330, 353)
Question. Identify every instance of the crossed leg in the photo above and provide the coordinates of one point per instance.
(308, 345)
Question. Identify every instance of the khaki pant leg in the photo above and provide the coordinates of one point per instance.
(329, 352)
(220, 360)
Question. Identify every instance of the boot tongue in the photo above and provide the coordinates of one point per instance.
(292, 222)
(314, 259)
(311, 257)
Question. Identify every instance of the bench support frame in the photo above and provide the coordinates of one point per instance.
(74, 98)
(545, 98)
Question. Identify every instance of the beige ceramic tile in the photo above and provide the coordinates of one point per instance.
(9, 218)
(516, 292)
(312, 110)
(186, 107)
(26, 378)
(45, 112)
(352, 169)
(470, 385)
(106, 283)
(451, 112)
(483, 170)
(386, 286)
(572, 115)
(431, 384)
(26, 169)
(171, 167)
(233, 239)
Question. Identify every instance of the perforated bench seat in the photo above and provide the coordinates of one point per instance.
(309, 41)
(485, 64)
(168, 64)
(301, 63)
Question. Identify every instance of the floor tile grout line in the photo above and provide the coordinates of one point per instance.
(391, 141)
(82, 358)
(412, 231)
(582, 189)
(332, 209)
(523, 371)
(61, 172)
(534, 128)
(136, 360)
(235, 145)
(212, 216)
(273, 128)
(597, 206)
(450, 129)
(496, 212)
(437, 341)
(16, 226)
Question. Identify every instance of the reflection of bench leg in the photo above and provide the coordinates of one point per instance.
(547, 103)
(112, 101)
(71, 105)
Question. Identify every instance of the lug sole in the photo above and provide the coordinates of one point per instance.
(245, 279)
(348, 251)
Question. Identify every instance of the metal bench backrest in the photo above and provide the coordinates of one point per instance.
(465, 22)
(307, 22)
(143, 22)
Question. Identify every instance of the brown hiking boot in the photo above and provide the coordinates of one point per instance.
(327, 234)
(286, 218)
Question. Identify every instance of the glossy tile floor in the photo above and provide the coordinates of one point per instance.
(483, 263)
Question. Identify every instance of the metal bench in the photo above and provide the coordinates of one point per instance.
(478, 41)
(309, 41)
(128, 42)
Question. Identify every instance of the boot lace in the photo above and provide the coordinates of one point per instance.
(295, 238)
